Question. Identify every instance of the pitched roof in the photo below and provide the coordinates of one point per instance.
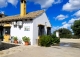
(30, 15)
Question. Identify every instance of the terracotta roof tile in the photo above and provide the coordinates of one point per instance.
(30, 15)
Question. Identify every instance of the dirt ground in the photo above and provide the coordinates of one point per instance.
(67, 48)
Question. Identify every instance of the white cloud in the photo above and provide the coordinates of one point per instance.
(58, 27)
(72, 21)
(64, 23)
(65, 26)
(77, 14)
(13, 2)
(54, 28)
(61, 17)
(46, 3)
(69, 23)
(57, 1)
(4, 3)
(2, 12)
(72, 5)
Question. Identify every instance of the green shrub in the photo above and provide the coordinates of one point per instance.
(26, 39)
(15, 38)
(55, 39)
(45, 40)
(48, 40)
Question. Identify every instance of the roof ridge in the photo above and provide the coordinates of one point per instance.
(36, 11)
(26, 14)
(30, 15)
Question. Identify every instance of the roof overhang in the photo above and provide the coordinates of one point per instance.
(28, 16)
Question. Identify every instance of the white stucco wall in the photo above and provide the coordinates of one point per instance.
(16, 31)
(33, 33)
(39, 20)
(57, 34)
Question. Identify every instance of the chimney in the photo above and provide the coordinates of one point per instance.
(23, 8)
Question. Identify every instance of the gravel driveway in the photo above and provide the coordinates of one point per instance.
(53, 51)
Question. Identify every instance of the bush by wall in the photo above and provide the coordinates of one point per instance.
(48, 40)
(55, 39)
(45, 40)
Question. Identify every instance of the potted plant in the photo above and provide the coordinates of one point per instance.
(26, 40)
(15, 40)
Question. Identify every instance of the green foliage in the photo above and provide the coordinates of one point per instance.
(48, 40)
(55, 32)
(53, 36)
(76, 28)
(55, 39)
(45, 40)
(75, 37)
(15, 38)
(26, 39)
(64, 33)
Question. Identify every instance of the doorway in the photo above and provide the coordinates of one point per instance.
(1, 33)
(40, 30)
(7, 34)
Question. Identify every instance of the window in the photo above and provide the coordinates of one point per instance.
(27, 28)
(48, 30)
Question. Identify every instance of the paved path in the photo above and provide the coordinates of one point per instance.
(54, 51)
(48, 52)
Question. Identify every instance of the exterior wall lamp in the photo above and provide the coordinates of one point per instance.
(17, 23)
(14, 23)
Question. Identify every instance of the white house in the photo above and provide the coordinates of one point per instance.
(32, 25)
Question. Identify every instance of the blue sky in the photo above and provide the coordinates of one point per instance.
(61, 13)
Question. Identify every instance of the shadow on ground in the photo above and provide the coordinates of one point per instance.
(5, 46)
(69, 44)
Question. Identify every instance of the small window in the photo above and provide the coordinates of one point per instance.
(27, 28)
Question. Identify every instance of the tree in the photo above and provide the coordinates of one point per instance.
(76, 28)
(64, 33)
